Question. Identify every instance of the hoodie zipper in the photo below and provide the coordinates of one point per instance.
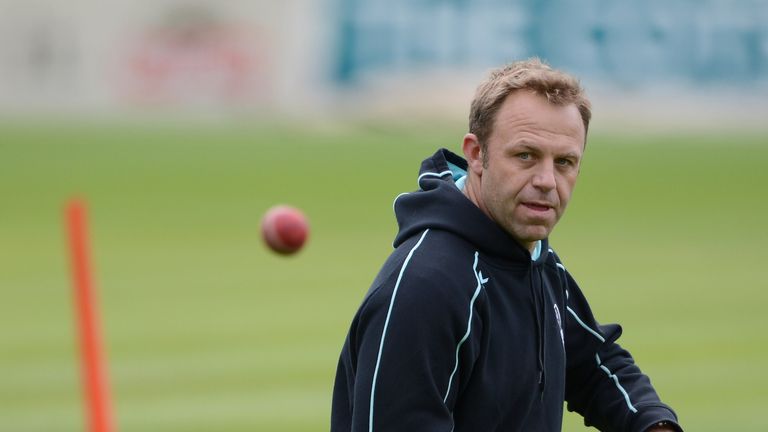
(539, 313)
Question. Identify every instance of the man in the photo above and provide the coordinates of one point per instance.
(473, 323)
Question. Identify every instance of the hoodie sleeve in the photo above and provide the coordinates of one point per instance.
(603, 383)
(413, 342)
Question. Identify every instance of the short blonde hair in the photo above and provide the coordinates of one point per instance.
(534, 75)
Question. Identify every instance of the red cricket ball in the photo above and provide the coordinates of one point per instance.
(284, 229)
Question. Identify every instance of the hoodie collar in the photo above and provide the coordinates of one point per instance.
(439, 204)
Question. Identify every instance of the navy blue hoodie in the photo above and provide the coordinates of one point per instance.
(462, 331)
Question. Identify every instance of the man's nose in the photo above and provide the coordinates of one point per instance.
(544, 177)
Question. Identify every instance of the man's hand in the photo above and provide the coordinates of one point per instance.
(664, 426)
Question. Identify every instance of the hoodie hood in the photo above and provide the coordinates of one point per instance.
(440, 205)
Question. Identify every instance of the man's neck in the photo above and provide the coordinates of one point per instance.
(534, 248)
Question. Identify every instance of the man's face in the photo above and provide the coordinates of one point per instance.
(533, 158)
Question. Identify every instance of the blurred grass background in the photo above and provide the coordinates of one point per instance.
(206, 330)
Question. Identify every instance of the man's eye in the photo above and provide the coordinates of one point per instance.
(563, 162)
(524, 156)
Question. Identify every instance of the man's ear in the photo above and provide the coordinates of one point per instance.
(473, 153)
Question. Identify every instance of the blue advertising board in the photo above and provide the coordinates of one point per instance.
(626, 42)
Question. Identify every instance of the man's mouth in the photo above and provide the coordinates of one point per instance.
(537, 206)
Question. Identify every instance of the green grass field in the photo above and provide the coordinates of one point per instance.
(206, 330)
